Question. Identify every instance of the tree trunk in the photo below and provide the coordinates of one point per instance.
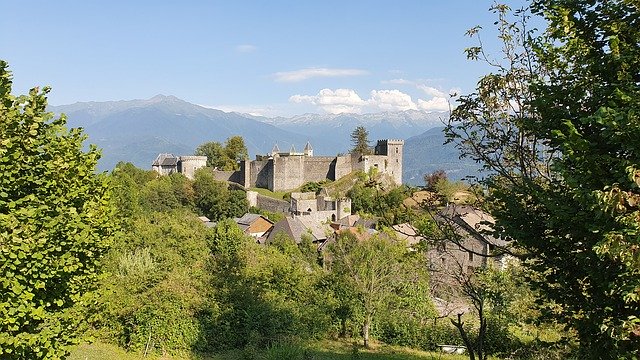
(365, 330)
(460, 326)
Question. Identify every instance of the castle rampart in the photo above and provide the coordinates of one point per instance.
(282, 171)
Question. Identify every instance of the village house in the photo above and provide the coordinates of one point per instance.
(255, 225)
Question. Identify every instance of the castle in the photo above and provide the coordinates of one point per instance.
(284, 171)
(166, 164)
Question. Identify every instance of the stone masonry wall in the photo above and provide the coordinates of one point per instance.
(318, 168)
(288, 172)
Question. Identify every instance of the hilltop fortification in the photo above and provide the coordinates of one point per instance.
(282, 171)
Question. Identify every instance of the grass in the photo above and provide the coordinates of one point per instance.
(321, 350)
(272, 194)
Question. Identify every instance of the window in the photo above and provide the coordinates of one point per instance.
(470, 256)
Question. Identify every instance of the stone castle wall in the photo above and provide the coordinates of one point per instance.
(319, 168)
(281, 173)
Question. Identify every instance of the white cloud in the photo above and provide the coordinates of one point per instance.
(348, 101)
(246, 48)
(391, 100)
(334, 102)
(431, 91)
(435, 104)
(305, 74)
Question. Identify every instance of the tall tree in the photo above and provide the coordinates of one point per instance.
(372, 269)
(224, 157)
(360, 141)
(557, 125)
(55, 224)
(236, 149)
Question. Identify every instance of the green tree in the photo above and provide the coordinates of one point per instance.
(372, 268)
(360, 141)
(236, 149)
(557, 125)
(214, 200)
(55, 225)
(215, 153)
(158, 295)
(224, 157)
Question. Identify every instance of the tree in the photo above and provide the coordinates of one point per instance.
(214, 200)
(430, 180)
(236, 149)
(360, 141)
(224, 157)
(557, 125)
(372, 269)
(215, 153)
(55, 225)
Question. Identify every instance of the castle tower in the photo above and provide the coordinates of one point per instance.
(392, 149)
(276, 150)
(188, 165)
(308, 150)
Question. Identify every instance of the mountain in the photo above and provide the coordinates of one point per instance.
(137, 130)
(386, 125)
(425, 153)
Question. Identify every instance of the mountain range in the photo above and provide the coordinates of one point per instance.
(137, 130)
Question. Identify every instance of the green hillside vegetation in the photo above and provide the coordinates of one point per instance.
(126, 260)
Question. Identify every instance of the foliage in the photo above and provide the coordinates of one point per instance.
(213, 198)
(224, 157)
(273, 216)
(56, 221)
(360, 141)
(157, 296)
(430, 180)
(557, 127)
(267, 294)
(372, 269)
(370, 197)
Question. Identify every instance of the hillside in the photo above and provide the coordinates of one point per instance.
(137, 130)
(426, 153)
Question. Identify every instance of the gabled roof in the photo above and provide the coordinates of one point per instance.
(471, 220)
(248, 219)
(165, 159)
(408, 233)
(296, 227)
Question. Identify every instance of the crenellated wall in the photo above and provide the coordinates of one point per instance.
(287, 171)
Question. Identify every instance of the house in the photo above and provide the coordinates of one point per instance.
(320, 207)
(466, 246)
(166, 164)
(297, 227)
(255, 225)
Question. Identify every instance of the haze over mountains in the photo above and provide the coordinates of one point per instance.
(137, 130)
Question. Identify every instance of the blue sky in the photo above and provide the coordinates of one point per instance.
(264, 57)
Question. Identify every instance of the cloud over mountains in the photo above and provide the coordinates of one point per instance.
(348, 101)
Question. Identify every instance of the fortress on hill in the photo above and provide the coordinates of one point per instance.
(283, 171)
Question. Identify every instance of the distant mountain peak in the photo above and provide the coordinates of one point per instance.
(165, 98)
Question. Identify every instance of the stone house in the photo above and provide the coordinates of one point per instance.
(166, 164)
(321, 207)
